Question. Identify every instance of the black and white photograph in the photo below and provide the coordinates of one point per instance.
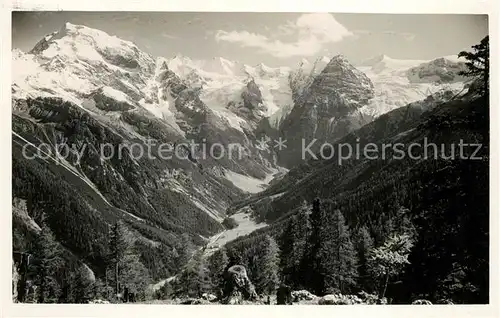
(250, 158)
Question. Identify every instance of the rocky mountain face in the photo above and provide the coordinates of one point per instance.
(327, 109)
(441, 70)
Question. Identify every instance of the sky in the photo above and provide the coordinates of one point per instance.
(275, 39)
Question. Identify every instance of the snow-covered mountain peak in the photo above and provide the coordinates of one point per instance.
(264, 68)
(339, 64)
(383, 64)
(313, 66)
(340, 58)
(222, 66)
(399, 82)
(77, 42)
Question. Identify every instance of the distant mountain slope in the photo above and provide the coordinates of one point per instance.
(448, 199)
(400, 82)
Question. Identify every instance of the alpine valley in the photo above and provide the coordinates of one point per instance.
(81, 90)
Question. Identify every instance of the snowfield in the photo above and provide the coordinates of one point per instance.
(246, 183)
(392, 84)
(246, 225)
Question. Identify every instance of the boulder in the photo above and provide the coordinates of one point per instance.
(99, 301)
(209, 297)
(238, 285)
(369, 299)
(339, 299)
(328, 300)
(421, 302)
(194, 301)
(234, 299)
(445, 302)
(382, 301)
(298, 295)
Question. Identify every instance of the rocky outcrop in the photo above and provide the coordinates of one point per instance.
(238, 286)
(108, 103)
(444, 302)
(98, 301)
(251, 105)
(339, 299)
(20, 214)
(300, 295)
(252, 96)
(194, 301)
(343, 82)
(209, 297)
(327, 109)
(441, 70)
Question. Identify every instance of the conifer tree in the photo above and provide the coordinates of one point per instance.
(47, 260)
(101, 290)
(363, 244)
(118, 247)
(133, 274)
(191, 278)
(312, 272)
(337, 255)
(478, 63)
(267, 265)
(217, 266)
(287, 241)
(293, 247)
(83, 287)
(204, 278)
(126, 270)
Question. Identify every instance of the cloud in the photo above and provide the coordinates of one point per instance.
(313, 31)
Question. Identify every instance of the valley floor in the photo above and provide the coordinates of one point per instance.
(246, 225)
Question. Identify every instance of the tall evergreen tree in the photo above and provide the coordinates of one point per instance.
(217, 266)
(363, 244)
(119, 244)
(83, 286)
(204, 278)
(101, 290)
(267, 265)
(312, 272)
(478, 63)
(47, 261)
(330, 257)
(133, 274)
(294, 246)
(126, 271)
(191, 280)
(337, 255)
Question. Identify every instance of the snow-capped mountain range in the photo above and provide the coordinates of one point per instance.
(76, 61)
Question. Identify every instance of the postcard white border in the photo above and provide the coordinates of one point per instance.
(9, 309)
